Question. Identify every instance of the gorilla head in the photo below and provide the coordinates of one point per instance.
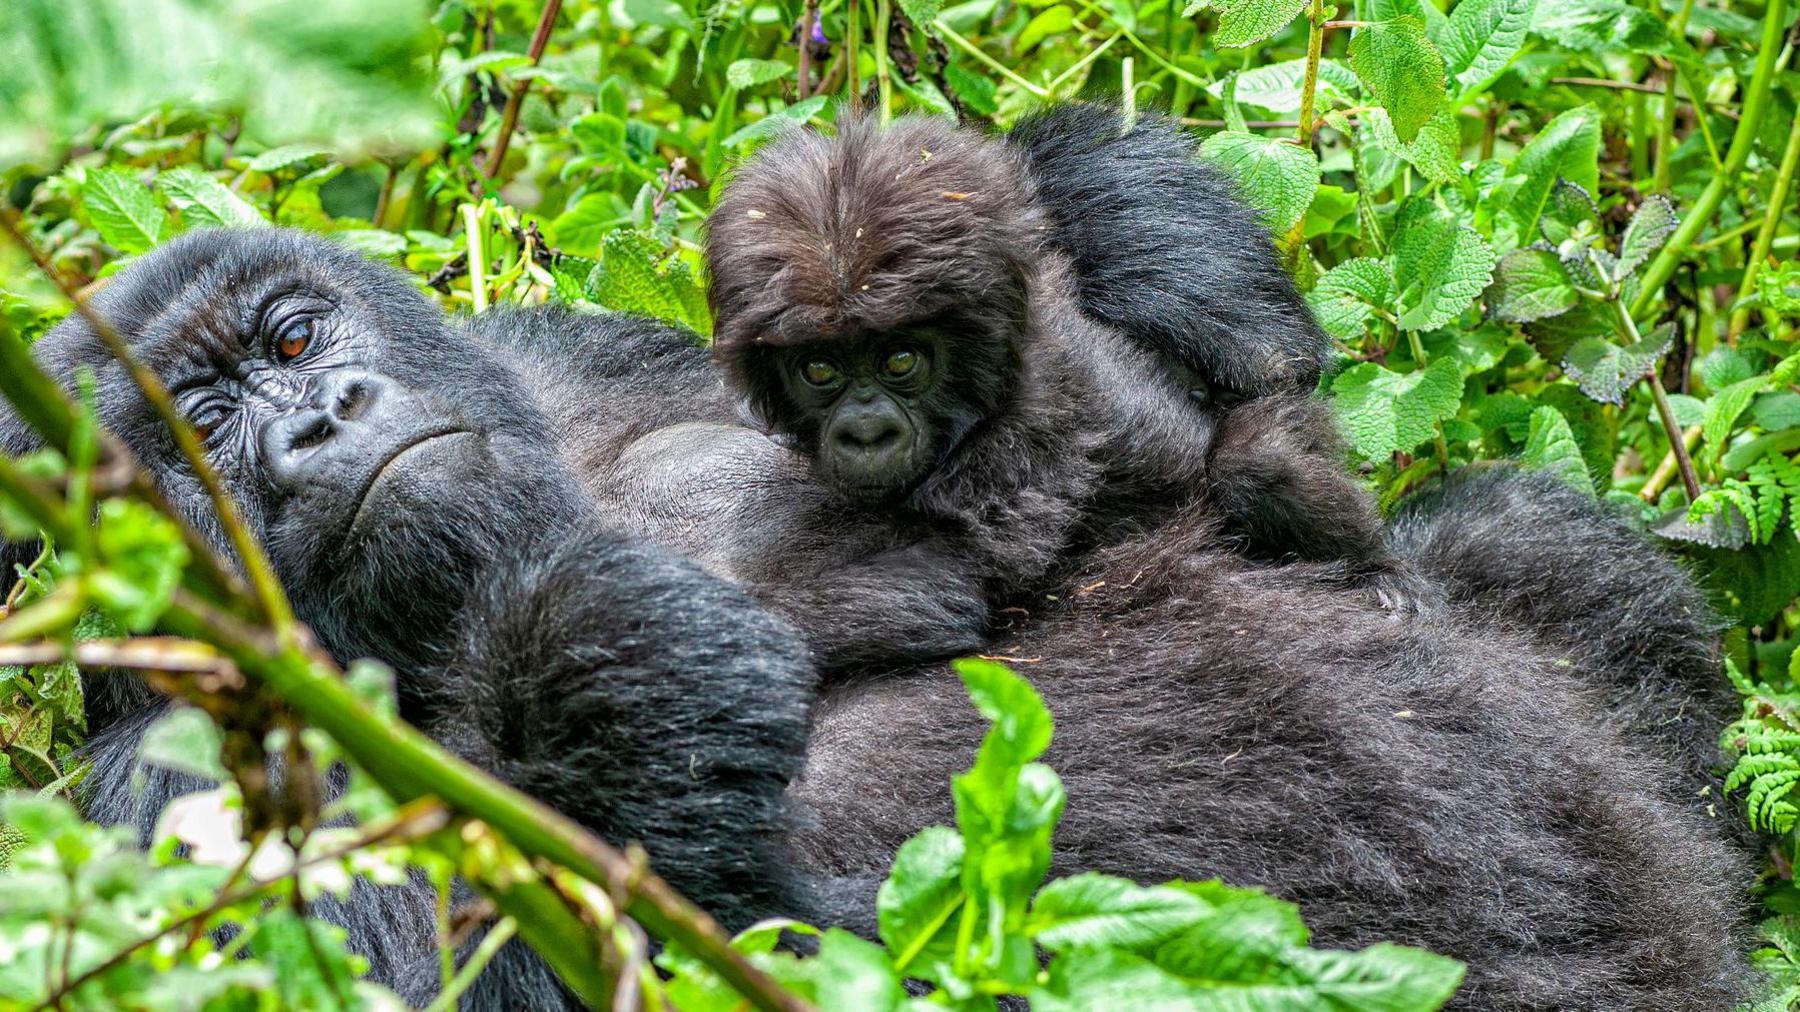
(367, 442)
(871, 292)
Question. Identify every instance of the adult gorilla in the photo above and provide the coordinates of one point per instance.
(413, 504)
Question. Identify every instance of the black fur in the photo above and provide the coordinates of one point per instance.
(614, 680)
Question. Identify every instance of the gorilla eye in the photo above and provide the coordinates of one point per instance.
(293, 340)
(819, 372)
(206, 421)
(900, 363)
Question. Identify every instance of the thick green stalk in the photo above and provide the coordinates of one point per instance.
(1665, 126)
(884, 78)
(1771, 222)
(1756, 102)
(1309, 87)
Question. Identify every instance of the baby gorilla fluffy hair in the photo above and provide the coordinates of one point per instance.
(888, 300)
(414, 505)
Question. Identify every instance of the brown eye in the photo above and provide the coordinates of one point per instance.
(819, 372)
(900, 363)
(294, 339)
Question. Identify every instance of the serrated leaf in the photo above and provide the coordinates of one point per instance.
(1242, 22)
(1276, 86)
(288, 156)
(1384, 412)
(1568, 147)
(1441, 265)
(123, 211)
(1724, 366)
(744, 74)
(1402, 70)
(1529, 284)
(204, 202)
(1483, 38)
(922, 12)
(1724, 407)
(1612, 26)
(1650, 226)
(1433, 152)
(784, 118)
(1346, 297)
(1605, 370)
(1551, 446)
(1273, 175)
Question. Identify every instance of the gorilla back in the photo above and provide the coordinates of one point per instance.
(414, 506)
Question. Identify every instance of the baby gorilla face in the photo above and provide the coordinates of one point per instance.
(869, 402)
(378, 453)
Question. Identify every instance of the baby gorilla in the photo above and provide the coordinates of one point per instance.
(890, 301)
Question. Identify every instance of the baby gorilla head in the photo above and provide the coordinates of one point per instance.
(321, 386)
(871, 293)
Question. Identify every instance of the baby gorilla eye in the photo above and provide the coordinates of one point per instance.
(294, 339)
(819, 372)
(900, 363)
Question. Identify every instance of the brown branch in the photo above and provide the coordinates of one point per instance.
(1603, 82)
(509, 120)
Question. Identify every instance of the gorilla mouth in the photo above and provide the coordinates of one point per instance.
(391, 466)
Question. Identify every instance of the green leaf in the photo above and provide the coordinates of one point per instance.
(1610, 26)
(123, 211)
(1403, 71)
(774, 123)
(915, 904)
(1529, 284)
(743, 74)
(184, 740)
(1346, 297)
(1434, 151)
(1650, 226)
(1048, 22)
(1276, 87)
(660, 13)
(289, 156)
(1483, 38)
(921, 12)
(1552, 447)
(1385, 412)
(1095, 910)
(144, 554)
(1605, 370)
(1568, 147)
(1724, 407)
(1441, 264)
(1242, 22)
(1724, 366)
(347, 70)
(204, 202)
(1273, 175)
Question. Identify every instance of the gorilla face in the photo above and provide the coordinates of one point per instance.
(377, 451)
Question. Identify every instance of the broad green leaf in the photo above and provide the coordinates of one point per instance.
(1384, 412)
(144, 554)
(1529, 284)
(1095, 910)
(1724, 407)
(782, 119)
(1048, 22)
(289, 156)
(660, 13)
(916, 904)
(1612, 26)
(1274, 175)
(585, 225)
(1553, 336)
(1605, 370)
(1434, 151)
(1650, 226)
(1441, 265)
(1276, 87)
(185, 740)
(1483, 38)
(744, 74)
(1346, 297)
(1403, 71)
(848, 973)
(204, 202)
(1021, 722)
(1242, 22)
(632, 279)
(1724, 366)
(346, 70)
(1552, 447)
(1568, 147)
(123, 211)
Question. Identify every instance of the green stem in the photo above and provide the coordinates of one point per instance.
(992, 64)
(884, 83)
(497, 936)
(1665, 126)
(1756, 102)
(471, 215)
(1309, 86)
(1771, 222)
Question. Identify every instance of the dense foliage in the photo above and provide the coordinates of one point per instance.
(1560, 230)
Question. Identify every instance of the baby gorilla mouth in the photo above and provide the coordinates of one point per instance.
(405, 481)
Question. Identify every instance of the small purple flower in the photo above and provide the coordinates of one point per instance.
(818, 32)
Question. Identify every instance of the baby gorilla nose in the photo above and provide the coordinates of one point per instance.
(874, 433)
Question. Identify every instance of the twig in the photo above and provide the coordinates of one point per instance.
(992, 64)
(509, 120)
(1602, 82)
(497, 936)
(1652, 489)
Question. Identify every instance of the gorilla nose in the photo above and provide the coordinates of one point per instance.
(323, 433)
(871, 435)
